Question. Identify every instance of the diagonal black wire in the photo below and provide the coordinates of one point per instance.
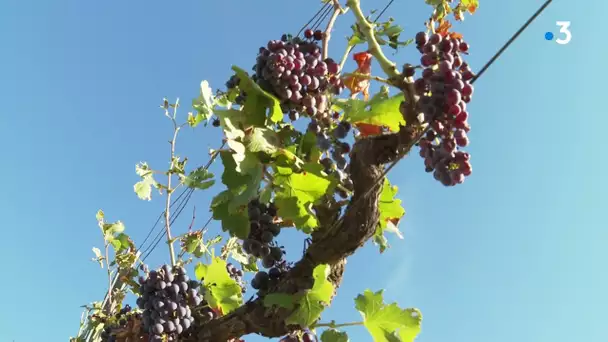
(325, 6)
(322, 18)
(384, 10)
(511, 40)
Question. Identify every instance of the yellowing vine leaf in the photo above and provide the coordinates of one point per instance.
(311, 304)
(387, 323)
(470, 5)
(223, 292)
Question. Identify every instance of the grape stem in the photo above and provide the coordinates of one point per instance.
(335, 325)
(374, 48)
(109, 278)
(176, 129)
(330, 25)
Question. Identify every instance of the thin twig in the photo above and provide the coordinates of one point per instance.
(193, 218)
(109, 278)
(369, 77)
(330, 25)
(176, 129)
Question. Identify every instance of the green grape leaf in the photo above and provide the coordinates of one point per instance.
(381, 110)
(100, 216)
(333, 335)
(143, 188)
(194, 243)
(203, 105)
(282, 300)
(223, 292)
(232, 178)
(98, 257)
(234, 222)
(384, 321)
(312, 302)
(299, 191)
(110, 230)
(262, 140)
(199, 179)
(391, 211)
(235, 251)
(257, 101)
(232, 122)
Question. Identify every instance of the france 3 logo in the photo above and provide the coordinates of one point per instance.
(564, 29)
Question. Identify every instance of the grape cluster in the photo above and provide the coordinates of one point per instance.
(293, 70)
(260, 243)
(335, 162)
(166, 296)
(121, 322)
(444, 91)
(237, 275)
(306, 336)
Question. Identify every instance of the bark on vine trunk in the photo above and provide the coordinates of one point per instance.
(358, 225)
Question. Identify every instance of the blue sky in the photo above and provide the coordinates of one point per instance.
(516, 253)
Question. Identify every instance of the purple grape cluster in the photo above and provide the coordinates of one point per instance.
(260, 243)
(306, 336)
(167, 298)
(335, 162)
(116, 323)
(237, 275)
(444, 91)
(293, 70)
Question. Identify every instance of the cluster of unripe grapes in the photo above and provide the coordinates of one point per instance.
(260, 243)
(121, 321)
(166, 298)
(294, 70)
(444, 90)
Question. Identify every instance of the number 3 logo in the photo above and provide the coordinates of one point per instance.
(564, 25)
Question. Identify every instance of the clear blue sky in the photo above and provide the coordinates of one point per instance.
(517, 253)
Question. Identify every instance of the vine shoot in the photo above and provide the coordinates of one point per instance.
(306, 147)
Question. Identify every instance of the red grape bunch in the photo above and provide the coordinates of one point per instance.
(293, 70)
(167, 298)
(444, 91)
(260, 243)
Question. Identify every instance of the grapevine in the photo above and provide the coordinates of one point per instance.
(298, 153)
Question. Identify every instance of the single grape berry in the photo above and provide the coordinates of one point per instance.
(309, 33)
(318, 35)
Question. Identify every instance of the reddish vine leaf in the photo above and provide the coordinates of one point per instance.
(360, 84)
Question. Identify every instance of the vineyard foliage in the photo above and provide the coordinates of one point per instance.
(305, 146)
